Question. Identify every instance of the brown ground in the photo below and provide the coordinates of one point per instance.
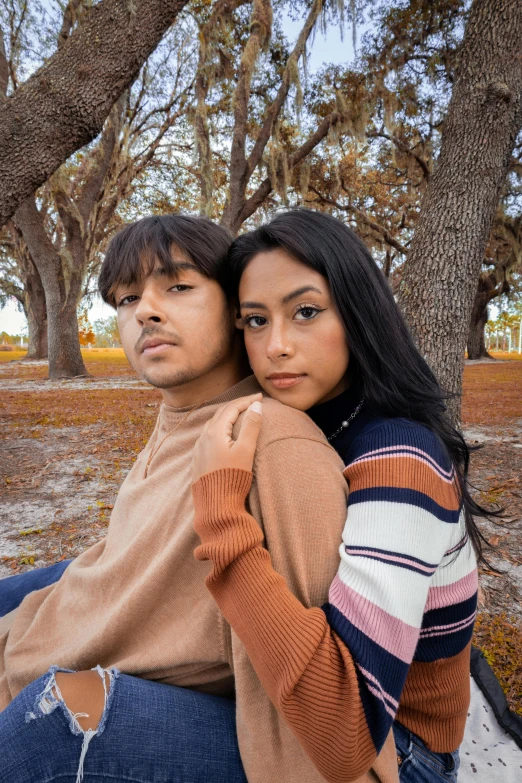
(66, 447)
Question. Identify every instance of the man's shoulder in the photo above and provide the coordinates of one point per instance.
(280, 422)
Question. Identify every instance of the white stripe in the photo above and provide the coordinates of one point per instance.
(399, 592)
(397, 527)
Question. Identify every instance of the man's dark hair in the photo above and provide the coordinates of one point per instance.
(139, 247)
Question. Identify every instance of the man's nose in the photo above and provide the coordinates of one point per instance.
(279, 343)
(149, 310)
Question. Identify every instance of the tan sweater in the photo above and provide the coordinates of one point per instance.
(137, 600)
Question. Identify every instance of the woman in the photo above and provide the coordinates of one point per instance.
(391, 647)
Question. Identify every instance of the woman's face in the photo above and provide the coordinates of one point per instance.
(293, 334)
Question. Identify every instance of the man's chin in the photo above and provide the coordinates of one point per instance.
(164, 379)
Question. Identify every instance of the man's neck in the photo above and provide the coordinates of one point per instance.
(214, 383)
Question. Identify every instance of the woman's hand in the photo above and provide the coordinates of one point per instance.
(215, 448)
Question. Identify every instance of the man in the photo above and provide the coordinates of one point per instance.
(137, 600)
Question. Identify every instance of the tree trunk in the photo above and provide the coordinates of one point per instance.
(476, 337)
(484, 116)
(488, 289)
(36, 312)
(62, 292)
(65, 358)
(64, 104)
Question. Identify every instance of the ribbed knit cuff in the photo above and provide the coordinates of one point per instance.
(220, 491)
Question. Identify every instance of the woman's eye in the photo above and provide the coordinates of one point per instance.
(307, 313)
(254, 321)
(127, 300)
(180, 287)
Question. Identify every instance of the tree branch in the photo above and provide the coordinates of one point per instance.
(262, 192)
(65, 103)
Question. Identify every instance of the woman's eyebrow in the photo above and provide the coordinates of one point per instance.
(288, 298)
(253, 305)
(299, 292)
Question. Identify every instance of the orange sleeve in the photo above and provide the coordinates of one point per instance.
(302, 663)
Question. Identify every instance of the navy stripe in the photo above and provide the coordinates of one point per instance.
(405, 433)
(401, 495)
(449, 614)
(394, 554)
(445, 646)
(390, 671)
(406, 566)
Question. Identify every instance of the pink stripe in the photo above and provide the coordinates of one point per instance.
(369, 676)
(449, 625)
(462, 543)
(453, 630)
(390, 558)
(390, 633)
(423, 457)
(464, 588)
(379, 696)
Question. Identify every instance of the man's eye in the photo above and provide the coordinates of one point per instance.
(127, 300)
(307, 313)
(254, 321)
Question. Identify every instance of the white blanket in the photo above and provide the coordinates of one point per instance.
(488, 754)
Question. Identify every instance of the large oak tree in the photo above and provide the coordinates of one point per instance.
(64, 104)
(439, 281)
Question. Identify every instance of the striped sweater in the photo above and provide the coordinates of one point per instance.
(394, 638)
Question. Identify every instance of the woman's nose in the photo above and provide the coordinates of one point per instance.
(279, 345)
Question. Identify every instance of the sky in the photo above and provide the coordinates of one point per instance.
(326, 48)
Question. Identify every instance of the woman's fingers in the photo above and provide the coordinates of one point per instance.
(249, 431)
(215, 448)
(228, 415)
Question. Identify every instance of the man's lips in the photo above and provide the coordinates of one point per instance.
(284, 380)
(156, 345)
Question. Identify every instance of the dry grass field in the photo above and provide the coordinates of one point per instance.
(67, 445)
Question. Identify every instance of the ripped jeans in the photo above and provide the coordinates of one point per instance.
(148, 733)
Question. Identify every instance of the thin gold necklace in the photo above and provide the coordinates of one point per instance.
(153, 451)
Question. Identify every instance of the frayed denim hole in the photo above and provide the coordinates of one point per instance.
(109, 696)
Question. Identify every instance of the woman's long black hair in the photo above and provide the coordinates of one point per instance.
(387, 368)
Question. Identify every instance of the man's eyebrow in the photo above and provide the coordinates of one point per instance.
(159, 271)
(299, 292)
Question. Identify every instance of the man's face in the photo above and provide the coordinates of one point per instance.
(175, 330)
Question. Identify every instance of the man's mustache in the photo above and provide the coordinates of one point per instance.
(153, 331)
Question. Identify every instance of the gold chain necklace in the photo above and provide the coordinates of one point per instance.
(153, 451)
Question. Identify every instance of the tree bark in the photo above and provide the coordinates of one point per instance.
(64, 104)
(484, 116)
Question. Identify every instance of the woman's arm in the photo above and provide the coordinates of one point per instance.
(335, 673)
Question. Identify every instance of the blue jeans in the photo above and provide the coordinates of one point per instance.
(13, 589)
(418, 764)
(149, 732)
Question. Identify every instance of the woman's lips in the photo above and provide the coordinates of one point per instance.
(285, 381)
